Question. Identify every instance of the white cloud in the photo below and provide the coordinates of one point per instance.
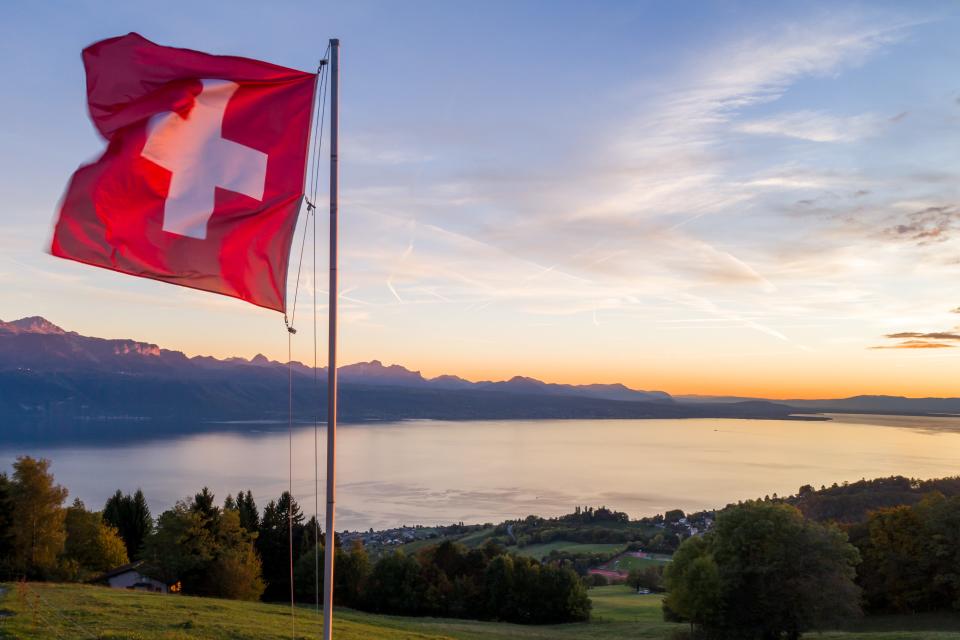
(817, 126)
(612, 222)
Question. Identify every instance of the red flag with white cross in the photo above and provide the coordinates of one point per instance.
(203, 175)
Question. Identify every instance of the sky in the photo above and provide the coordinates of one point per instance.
(725, 197)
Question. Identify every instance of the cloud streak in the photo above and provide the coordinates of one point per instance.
(817, 126)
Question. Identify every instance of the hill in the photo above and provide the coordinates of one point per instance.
(49, 611)
(878, 404)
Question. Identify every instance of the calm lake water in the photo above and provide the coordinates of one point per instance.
(440, 472)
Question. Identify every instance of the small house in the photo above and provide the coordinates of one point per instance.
(128, 576)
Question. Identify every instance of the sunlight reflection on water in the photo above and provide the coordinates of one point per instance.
(437, 472)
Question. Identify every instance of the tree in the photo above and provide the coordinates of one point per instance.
(141, 522)
(208, 557)
(39, 534)
(674, 515)
(763, 572)
(92, 546)
(236, 574)
(249, 514)
(203, 504)
(274, 544)
(130, 515)
(236, 571)
(649, 578)
(911, 556)
(180, 549)
(693, 586)
(6, 524)
(396, 585)
(351, 572)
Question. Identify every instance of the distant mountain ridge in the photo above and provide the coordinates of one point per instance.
(885, 404)
(40, 345)
(56, 383)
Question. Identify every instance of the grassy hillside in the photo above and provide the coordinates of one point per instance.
(51, 611)
(626, 563)
(470, 540)
(540, 551)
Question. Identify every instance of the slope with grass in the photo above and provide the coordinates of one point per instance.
(471, 540)
(628, 561)
(541, 551)
(37, 611)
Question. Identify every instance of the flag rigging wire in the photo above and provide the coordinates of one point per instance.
(309, 224)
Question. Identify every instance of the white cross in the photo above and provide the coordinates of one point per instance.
(201, 160)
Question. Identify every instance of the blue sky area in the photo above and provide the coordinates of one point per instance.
(710, 197)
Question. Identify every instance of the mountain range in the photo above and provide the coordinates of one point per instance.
(57, 383)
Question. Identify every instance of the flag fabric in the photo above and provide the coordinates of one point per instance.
(203, 175)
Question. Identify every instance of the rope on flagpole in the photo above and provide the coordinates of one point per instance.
(316, 142)
(290, 333)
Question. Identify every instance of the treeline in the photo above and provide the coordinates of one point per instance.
(767, 571)
(40, 539)
(911, 556)
(852, 502)
(448, 580)
(590, 525)
(233, 550)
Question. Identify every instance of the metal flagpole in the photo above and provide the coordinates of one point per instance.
(330, 550)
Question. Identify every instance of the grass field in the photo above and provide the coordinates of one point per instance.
(627, 563)
(469, 540)
(52, 611)
(540, 551)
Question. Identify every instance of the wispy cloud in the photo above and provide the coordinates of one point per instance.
(922, 339)
(915, 344)
(817, 126)
(935, 335)
(628, 212)
(928, 225)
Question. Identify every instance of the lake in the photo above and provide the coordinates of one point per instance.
(440, 472)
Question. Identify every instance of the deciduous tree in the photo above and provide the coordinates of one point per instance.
(39, 532)
(764, 572)
(92, 546)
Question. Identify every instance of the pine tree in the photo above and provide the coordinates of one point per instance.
(130, 516)
(141, 523)
(273, 544)
(204, 505)
(113, 510)
(249, 514)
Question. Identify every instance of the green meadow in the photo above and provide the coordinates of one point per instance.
(42, 611)
(627, 563)
(540, 551)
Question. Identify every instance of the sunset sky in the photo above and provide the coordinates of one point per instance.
(722, 198)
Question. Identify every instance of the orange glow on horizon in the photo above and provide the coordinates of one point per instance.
(786, 381)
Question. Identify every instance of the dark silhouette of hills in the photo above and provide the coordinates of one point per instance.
(56, 383)
(888, 405)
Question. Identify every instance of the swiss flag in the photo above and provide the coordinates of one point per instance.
(202, 178)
